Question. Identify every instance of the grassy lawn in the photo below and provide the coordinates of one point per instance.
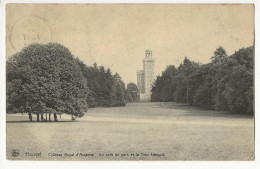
(139, 131)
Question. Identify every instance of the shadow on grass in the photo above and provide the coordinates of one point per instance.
(41, 121)
(198, 111)
(205, 113)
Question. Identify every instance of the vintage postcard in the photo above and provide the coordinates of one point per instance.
(161, 82)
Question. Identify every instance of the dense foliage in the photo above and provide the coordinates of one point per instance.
(227, 83)
(45, 79)
(105, 89)
(131, 93)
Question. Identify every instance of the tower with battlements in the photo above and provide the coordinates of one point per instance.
(145, 77)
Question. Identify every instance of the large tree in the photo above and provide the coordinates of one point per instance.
(235, 90)
(45, 79)
(164, 85)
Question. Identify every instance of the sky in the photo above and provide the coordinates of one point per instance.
(117, 35)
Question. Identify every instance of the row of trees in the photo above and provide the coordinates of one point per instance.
(227, 83)
(47, 79)
(106, 89)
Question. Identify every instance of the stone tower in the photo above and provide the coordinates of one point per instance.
(146, 77)
(148, 70)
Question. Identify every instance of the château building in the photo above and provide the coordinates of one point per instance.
(145, 77)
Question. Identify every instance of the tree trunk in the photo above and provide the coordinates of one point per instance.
(41, 117)
(38, 119)
(49, 116)
(30, 116)
(188, 102)
(55, 117)
(46, 116)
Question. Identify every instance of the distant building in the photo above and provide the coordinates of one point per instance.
(145, 77)
(140, 81)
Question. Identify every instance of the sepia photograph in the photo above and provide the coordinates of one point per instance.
(130, 82)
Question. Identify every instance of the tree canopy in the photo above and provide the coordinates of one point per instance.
(45, 78)
(131, 93)
(227, 83)
(105, 88)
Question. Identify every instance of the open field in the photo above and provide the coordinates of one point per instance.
(155, 131)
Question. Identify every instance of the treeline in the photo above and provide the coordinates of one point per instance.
(46, 79)
(227, 83)
(105, 89)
